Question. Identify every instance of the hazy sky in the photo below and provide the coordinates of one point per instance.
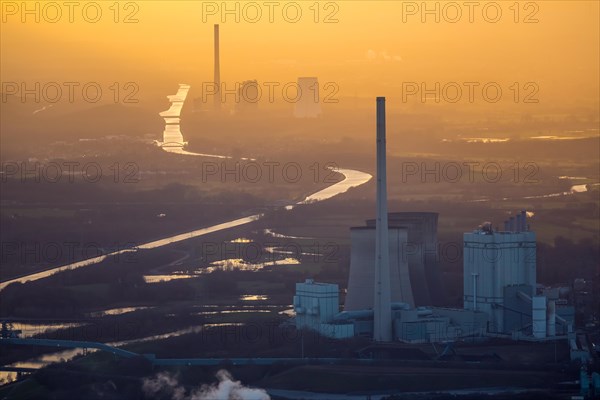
(370, 50)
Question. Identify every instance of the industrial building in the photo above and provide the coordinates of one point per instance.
(499, 279)
(394, 277)
(494, 261)
(249, 95)
(500, 293)
(308, 102)
(315, 305)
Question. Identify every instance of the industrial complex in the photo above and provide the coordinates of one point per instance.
(395, 284)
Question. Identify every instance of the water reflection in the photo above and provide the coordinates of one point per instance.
(288, 312)
(232, 312)
(477, 140)
(233, 264)
(274, 234)
(574, 189)
(240, 240)
(30, 330)
(352, 179)
(581, 188)
(166, 278)
(173, 142)
(116, 311)
(254, 297)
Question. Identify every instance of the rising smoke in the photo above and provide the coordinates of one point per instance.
(165, 385)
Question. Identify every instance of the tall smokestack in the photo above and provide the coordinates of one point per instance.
(217, 80)
(382, 305)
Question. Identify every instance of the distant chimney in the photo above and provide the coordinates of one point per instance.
(382, 308)
(217, 79)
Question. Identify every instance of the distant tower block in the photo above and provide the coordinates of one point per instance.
(249, 96)
(308, 103)
(217, 79)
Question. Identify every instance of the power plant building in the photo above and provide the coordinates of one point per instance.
(316, 305)
(492, 261)
(308, 102)
(499, 279)
(248, 97)
(394, 284)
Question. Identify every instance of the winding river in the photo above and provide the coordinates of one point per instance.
(173, 142)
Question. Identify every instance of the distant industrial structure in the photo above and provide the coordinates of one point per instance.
(249, 95)
(316, 305)
(498, 266)
(217, 78)
(394, 285)
(307, 104)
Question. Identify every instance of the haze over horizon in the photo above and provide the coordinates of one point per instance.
(300, 199)
(366, 47)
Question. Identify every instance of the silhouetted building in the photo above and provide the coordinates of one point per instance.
(249, 97)
(308, 102)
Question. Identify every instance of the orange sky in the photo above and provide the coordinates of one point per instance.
(369, 51)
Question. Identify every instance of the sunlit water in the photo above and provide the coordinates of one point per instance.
(66, 355)
(207, 309)
(229, 264)
(254, 297)
(29, 330)
(274, 234)
(173, 142)
(116, 311)
(574, 189)
(351, 179)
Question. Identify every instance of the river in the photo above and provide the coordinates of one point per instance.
(173, 142)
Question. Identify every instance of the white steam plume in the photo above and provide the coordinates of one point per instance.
(165, 384)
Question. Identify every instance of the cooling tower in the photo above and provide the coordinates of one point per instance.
(421, 252)
(361, 282)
